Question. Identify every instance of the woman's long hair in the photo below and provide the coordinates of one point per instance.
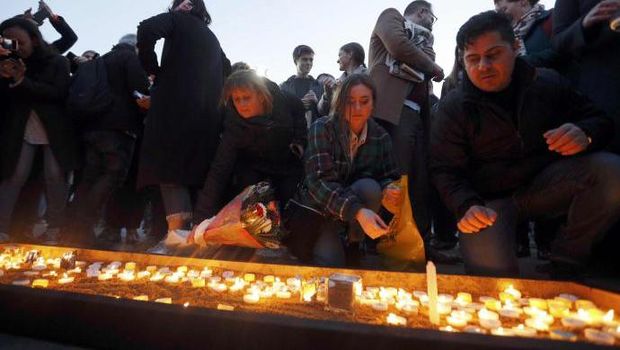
(247, 79)
(356, 51)
(340, 102)
(41, 49)
(198, 9)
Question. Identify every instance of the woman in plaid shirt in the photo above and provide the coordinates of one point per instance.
(349, 163)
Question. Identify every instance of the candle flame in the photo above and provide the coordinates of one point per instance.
(609, 316)
(186, 304)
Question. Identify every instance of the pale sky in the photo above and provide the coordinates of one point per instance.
(262, 33)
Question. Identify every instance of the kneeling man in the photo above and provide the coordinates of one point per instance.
(514, 143)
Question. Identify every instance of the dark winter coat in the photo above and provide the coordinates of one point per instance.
(67, 36)
(299, 87)
(540, 51)
(597, 55)
(44, 90)
(261, 144)
(477, 151)
(182, 125)
(125, 75)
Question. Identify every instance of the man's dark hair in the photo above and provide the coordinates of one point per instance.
(301, 50)
(198, 9)
(417, 4)
(482, 23)
(532, 2)
(356, 51)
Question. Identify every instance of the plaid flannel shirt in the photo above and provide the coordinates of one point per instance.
(330, 170)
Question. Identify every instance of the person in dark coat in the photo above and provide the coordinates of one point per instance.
(264, 139)
(109, 139)
(514, 143)
(302, 84)
(182, 126)
(67, 39)
(37, 85)
(581, 31)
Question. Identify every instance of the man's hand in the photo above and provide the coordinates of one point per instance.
(567, 140)
(13, 69)
(144, 102)
(371, 223)
(438, 74)
(309, 99)
(602, 12)
(476, 219)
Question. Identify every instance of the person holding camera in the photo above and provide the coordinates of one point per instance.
(264, 139)
(183, 123)
(36, 81)
(68, 38)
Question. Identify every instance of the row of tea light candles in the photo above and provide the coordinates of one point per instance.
(458, 312)
(540, 314)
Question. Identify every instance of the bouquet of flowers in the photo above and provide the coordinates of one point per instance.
(252, 219)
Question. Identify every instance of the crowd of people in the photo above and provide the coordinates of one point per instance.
(523, 141)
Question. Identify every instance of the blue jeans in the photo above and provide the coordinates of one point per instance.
(56, 186)
(329, 250)
(584, 188)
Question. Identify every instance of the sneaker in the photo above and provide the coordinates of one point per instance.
(4, 238)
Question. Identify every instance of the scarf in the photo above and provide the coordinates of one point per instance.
(523, 26)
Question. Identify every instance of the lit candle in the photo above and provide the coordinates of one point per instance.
(283, 294)
(141, 298)
(504, 297)
(157, 277)
(537, 324)
(474, 330)
(127, 276)
(484, 299)
(572, 322)
(308, 291)
(614, 331)
(65, 279)
(193, 274)
(206, 273)
(151, 268)
(182, 269)
(559, 334)
(266, 293)
(503, 332)
(198, 282)
(218, 287)
(584, 304)
(493, 304)
(31, 273)
(41, 283)
(228, 274)
(431, 282)
(510, 311)
(444, 309)
(449, 329)
(523, 331)
(569, 297)
(143, 274)
(269, 279)
(538, 303)
(457, 322)
(599, 337)
(463, 299)
(251, 298)
(130, 266)
(419, 294)
(215, 279)
(511, 290)
(608, 319)
(249, 277)
(407, 307)
(164, 300)
(489, 319)
(379, 306)
(186, 304)
(445, 298)
(396, 320)
(237, 286)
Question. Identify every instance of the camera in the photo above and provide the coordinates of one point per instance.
(9, 44)
(43, 13)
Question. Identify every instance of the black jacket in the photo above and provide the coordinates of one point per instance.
(299, 87)
(262, 144)
(44, 90)
(67, 36)
(540, 51)
(477, 151)
(125, 75)
(184, 121)
(596, 53)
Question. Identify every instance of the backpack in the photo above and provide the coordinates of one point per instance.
(89, 94)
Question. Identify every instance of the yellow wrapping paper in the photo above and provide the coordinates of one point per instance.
(403, 246)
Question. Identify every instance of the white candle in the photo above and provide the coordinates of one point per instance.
(104, 276)
(283, 294)
(445, 298)
(444, 309)
(130, 266)
(396, 320)
(407, 307)
(164, 300)
(615, 331)
(41, 283)
(251, 298)
(538, 303)
(511, 290)
(379, 306)
(249, 277)
(158, 276)
(537, 324)
(218, 287)
(65, 280)
(127, 276)
(523, 331)
(608, 319)
(457, 322)
(503, 332)
(493, 304)
(228, 274)
(21, 282)
(559, 334)
(599, 337)
(143, 274)
(509, 312)
(206, 272)
(572, 322)
(474, 330)
(489, 319)
(197, 282)
(141, 298)
(431, 282)
(449, 329)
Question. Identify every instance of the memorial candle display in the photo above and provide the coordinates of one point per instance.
(505, 311)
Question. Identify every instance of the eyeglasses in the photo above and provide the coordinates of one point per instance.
(433, 17)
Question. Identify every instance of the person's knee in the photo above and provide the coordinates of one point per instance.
(369, 191)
